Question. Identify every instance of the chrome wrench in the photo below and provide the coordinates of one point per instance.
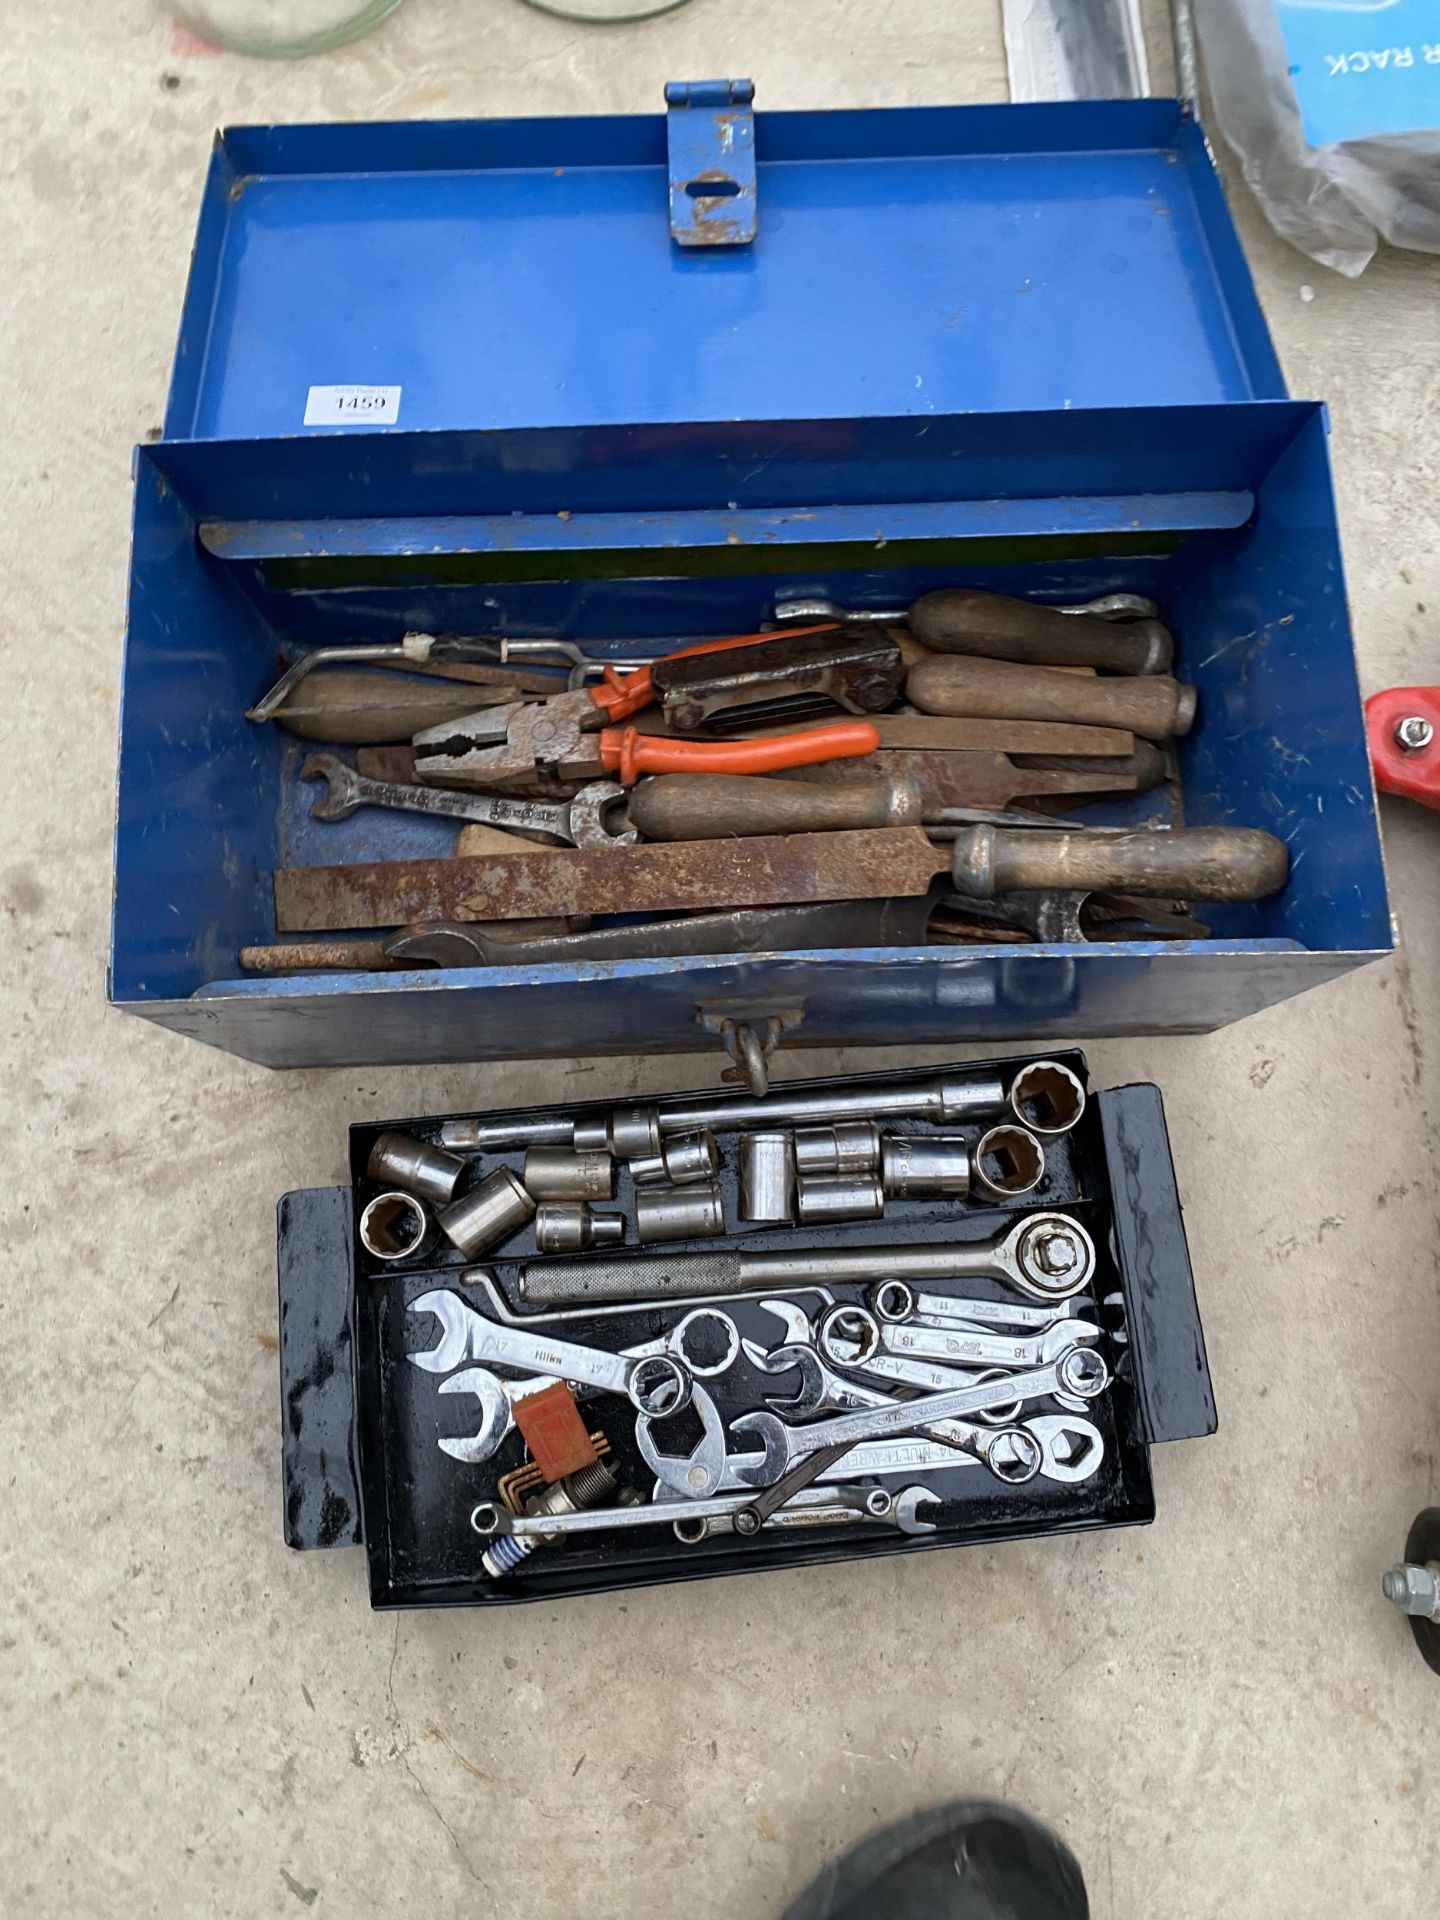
(817, 1507)
(1049, 1256)
(931, 1376)
(489, 1519)
(579, 821)
(1079, 1370)
(896, 1301)
(656, 1384)
(849, 1336)
(1011, 1454)
(497, 1397)
(1073, 1450)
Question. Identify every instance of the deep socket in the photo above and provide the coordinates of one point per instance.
(767, 1176)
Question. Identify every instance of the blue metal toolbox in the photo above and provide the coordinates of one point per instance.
(1007, 347)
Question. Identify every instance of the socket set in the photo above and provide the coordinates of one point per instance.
(552, 1352)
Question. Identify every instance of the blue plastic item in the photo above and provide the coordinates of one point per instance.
(1005, 347)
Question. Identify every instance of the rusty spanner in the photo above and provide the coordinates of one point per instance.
(581, 821)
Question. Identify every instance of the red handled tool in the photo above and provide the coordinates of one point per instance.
(1402, 725)
(566, 738)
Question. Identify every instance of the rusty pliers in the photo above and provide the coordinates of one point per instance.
(574, 736)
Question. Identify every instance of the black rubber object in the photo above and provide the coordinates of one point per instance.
(971, 1860)
(1422, 1545)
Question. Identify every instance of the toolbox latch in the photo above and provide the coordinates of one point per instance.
(711, 134)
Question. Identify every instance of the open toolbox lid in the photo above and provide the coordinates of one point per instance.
(549, 272)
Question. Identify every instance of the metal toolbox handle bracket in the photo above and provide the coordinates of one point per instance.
(320, 1453)
(750, 1037)
(1169, 1371)
(711, 136)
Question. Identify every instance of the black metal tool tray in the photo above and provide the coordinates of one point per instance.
(361, 1424)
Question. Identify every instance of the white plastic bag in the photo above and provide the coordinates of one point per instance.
(1333, 107)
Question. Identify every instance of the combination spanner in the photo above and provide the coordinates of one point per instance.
(489, 1519)
(1048, 1256)
(1080, 1370)
(497, 1397)
(1011, 1453)
(849, 1336)
(1072, 1448)
(656, 1384)
(817, 1507)
(579, 821)
(896, 1301)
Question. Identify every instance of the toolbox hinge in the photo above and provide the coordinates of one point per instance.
(711, 134)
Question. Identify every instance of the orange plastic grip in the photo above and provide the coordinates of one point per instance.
(628, 752)
(621, 694)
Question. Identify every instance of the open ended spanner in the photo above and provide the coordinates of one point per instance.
(497, 1397)
(580, 821)
(657, 1384)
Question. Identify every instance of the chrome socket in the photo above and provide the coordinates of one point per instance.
(492, 1212)
(847, 1147)
(400, 1160)
(823, 1197)
(570, 1226)
(913, 1166)
(679, 1213)
(684, 1160)
(767, 1176)
(394, 1226)
(555, 1173)
(1046, 1097)
(1009, 1162)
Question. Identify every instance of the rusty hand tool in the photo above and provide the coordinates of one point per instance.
(370, 709)
(887, 862)
(925, 730)
(1153, 705)
(1205, 863)
(416, 650)
(1181, 863)
(827, 923)
(552, 740)
(587, 819)
(783, 678)
(965, 620)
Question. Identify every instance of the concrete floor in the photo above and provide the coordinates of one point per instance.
(1220, 1714)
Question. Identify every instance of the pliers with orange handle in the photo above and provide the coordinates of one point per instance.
(573, 737)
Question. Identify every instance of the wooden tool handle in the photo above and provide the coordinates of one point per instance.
(1186, 863)
(964, 620)
(698, 806)
(981, 689)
